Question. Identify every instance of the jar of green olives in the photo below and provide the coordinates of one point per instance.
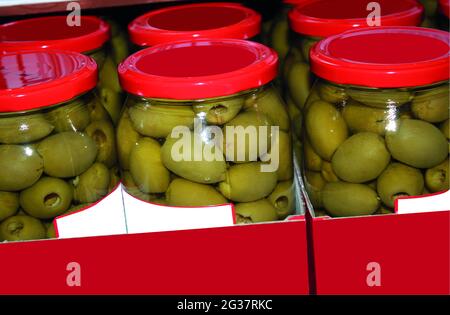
(316, 19)
(194, 21)
(444, 14)
(57, 143)
(203, 126)
(376, 121)
(88, 35)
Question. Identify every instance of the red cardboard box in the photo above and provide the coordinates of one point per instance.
(382, 254)
(268, 258)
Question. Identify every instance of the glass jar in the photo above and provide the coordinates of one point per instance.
(376, 125)
(444, 14)
(316, 19)
(203, 126)
(194, 21)
(57, 143)
(90, 38)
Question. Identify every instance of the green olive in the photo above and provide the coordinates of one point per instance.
(328, 173)
(147, 168)
(194, 159)
(9, 204)
(437, 178)
(381, 98)
(256, 211)
(294, 56)
(67, 154)
(21, 167)
(279, 37)
(399, 180)
(283, 144)
(92, 184)
(158, 121)
(112, 102)
(102, 132)
(127, 138)
(361, 158)
(313, 161)
(73, 116)
(326, 128)
(314, 185)
(432, 105)
(21, 228)
(51, 233)
(107, 76)
(446, 132)
(246, 182)
(184, 193)
(361, 118)
(46, 199)
(307, 43)
(247, 137)
(296, 118)
(331, 93)
(132, 188)
(24, 128)
(271, 104)
(114, 178)
(219, 112)
(347, 199)
(417, 143)
(299, 84)
(282, 198)
(99, 55)
(96, 109)
(384, 210)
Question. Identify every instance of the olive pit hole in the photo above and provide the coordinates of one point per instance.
(52, 200)
(219, 109)
(15, 227)
(282, 202)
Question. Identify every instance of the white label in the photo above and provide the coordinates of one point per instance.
(103, 218)
(431, 203)
(146, 217)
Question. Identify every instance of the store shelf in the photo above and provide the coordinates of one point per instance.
(23, 7)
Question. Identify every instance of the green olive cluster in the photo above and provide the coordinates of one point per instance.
(151, 173)
(363, 148)
(53, 162)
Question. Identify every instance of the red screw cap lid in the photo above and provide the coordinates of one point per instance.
(192, 21)
(444, 7)
(322, 18)
(35, 79)
(53, 32)
(383, 57)
(189, 70)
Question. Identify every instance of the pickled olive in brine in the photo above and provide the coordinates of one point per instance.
(92, 184)
(46, 199)
(326, 128)
(147, 168)
(281, 151)
(219, 112)
(24, 128)
(239, 184)
(102, 132)
(182, 192)
(9, 204)
(332, 93)
(21, 167)
(399, 180)
(158, 120)
(282, 198)
(361, 118)
(255, 211)
(112, 102)
(348, 199)
(298, 82)
(313, 161)
(193, 158)
(446, 132)
(328, 173)
(127, 139)
(437, 178)
(21, 228)
(114, 177)
(417, 143)
(73, 116)
(432, 105)
(132, 188)
(67, 154)
(96, 110)
(380, 98)
(247, 136)
(296, 117)
(361, 158)
(270, 104)
(306, 44)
